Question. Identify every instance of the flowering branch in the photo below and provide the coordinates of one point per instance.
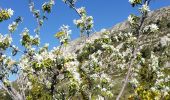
(85, 23)
(135, 49)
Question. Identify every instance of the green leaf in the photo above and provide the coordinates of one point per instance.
(138, 1)
(59, 34)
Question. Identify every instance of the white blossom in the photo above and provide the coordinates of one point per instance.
(145, 8)
(104, 89)
(38, 57)
(131, 19)
(153, 89)
(66, 36)
(131, 1)
(166, 90)
(151, 28)
(29, 85)
(81, 10)
(134, 81)
(105, 76)
(10, 12)
(12, 27)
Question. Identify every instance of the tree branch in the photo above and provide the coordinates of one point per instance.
(135, 50)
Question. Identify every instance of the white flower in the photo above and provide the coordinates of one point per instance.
(167, 78)
(29, 84)
(159, 81)
(94, 76)
(165, 90)
(93, 58)
(131, 19)
(12, 27)
(81, 10)
(66, 36)
(76, 75)
(36, 36)
(31, 7)
(153, 89)
(154, 27)
(155, 63)
(129, 34)
(48, 84)
(25, 32)
(145, 8)
(51, 56)
(105, 46)
(85, 23)
(159, 74)
(131, 1)
(38, 57)
(9, 39)
(104, 89)
(105, 76)
(134, 81)
(99, 52)
(10, 12)
(77, 22)
(5, 39)
(151, 28)
(52, 2)
(4, 94)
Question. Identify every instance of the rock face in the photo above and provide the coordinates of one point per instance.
(160, 17)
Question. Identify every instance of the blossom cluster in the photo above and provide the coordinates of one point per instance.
(135, 1)
(144, 9)
(85, 23)
(64, 34)
(47, 6)
(133, 19)
(12, 27)
(27, 40)
(5, 14)
(151, 28)
(5, 41)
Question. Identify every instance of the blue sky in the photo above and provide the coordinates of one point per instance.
(106, 13)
